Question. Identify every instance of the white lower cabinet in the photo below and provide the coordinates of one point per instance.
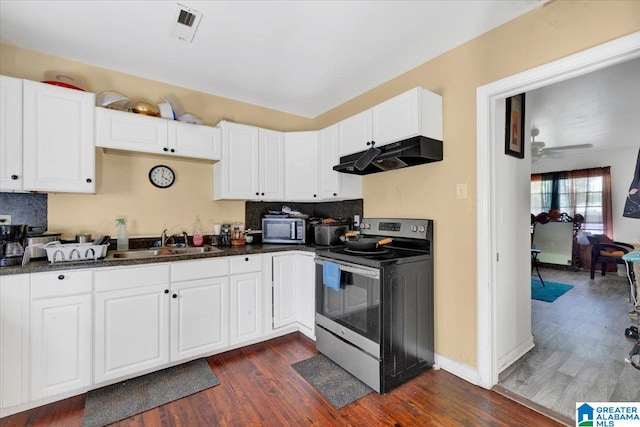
(199, 307)
(294, 291)
(131, 320)
(60, 332)
(14, 341)
(246, 298)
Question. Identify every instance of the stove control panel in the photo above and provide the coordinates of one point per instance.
(403, 227)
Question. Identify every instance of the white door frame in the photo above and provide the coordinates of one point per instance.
(488, 127)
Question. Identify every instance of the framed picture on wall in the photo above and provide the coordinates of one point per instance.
(514, 127)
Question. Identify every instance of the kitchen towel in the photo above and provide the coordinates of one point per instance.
(331, 275)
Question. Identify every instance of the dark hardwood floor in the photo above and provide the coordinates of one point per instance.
(259, 388)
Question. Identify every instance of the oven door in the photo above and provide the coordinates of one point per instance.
(353, 312)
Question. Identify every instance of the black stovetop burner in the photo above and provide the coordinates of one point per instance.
(412, 240)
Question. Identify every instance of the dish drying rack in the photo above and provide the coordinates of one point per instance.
(59, 252)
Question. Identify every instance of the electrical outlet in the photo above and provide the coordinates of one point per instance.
(5, 219)
(356, 220)
(461, 190)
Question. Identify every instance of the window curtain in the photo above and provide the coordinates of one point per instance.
(584, 191)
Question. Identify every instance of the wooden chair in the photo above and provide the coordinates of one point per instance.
(605, 251)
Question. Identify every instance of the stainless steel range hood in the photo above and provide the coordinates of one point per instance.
(410, 152)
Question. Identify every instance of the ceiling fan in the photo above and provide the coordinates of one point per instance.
(538, 150)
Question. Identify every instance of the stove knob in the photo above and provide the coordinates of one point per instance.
(414, 228)
(422, 229)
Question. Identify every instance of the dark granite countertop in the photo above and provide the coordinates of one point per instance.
(40, 266)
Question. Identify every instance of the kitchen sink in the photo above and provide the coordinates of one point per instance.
(161, 252)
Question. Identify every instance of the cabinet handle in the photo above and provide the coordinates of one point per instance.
(14, 176)
(173, 151)
(262, 194)
(174, 296)
(61, 277)
(314, 195)
(166, 291)
(89, 180)
(246, 259)
(165, 149)
(368, 143)
(257, 194)
(335, 194)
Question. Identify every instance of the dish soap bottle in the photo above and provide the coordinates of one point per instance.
(197, 234)
(123, 238)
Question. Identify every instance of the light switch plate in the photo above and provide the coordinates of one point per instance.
(461, 190)
(5, 219)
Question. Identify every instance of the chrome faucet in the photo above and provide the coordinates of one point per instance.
(163, 238)
(186, 239)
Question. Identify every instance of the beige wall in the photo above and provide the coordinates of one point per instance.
(122, 187)
(552, 31)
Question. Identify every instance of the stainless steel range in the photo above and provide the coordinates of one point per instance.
(374, 309)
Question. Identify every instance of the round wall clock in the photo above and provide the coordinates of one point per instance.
(162, 176)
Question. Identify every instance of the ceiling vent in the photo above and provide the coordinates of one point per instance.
(185, 23)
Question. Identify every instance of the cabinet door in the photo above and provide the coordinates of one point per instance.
(301, 166)
(246, 307)
(198, 317)
(397, 118)
(354, 133)
(10, 133)
(58, 139)
(236, 176)
(131, 132)
(189, 140)
(284, 290)
(131, 331)
(334, 185)
(271, 165)
(60, 345)
(329, 180)
(14, 340)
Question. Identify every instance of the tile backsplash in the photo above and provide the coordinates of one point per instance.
(25, 208)
(346, 209)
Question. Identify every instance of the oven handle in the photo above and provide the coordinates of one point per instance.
(352, 268)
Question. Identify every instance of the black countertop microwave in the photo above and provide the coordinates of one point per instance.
(283, 230)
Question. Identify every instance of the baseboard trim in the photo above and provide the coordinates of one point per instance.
(511, 357)
(466, 372)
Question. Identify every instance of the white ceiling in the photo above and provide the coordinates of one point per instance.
(302, 57)
(601, 108)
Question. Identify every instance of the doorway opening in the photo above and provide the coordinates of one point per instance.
(493, 277)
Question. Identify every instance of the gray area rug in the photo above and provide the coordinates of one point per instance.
(338, 386)
(118, 401)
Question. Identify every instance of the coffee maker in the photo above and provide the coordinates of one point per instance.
(11, 241)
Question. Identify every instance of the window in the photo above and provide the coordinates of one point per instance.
(585, 191)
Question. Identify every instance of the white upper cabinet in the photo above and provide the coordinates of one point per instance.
(334, 185)
(354, 133)
(58, 140)
(271, 177)
(415, 112)
(301, 166)
(10, 133)
(138, 132)
(237, 175)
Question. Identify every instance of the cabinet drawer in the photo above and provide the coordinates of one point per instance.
(131, 277)
(60, 283)
(199, 269)
(246, 264)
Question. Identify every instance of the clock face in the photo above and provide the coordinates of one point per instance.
(162, 176)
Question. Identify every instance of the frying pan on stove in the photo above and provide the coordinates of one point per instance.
(364, 244)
